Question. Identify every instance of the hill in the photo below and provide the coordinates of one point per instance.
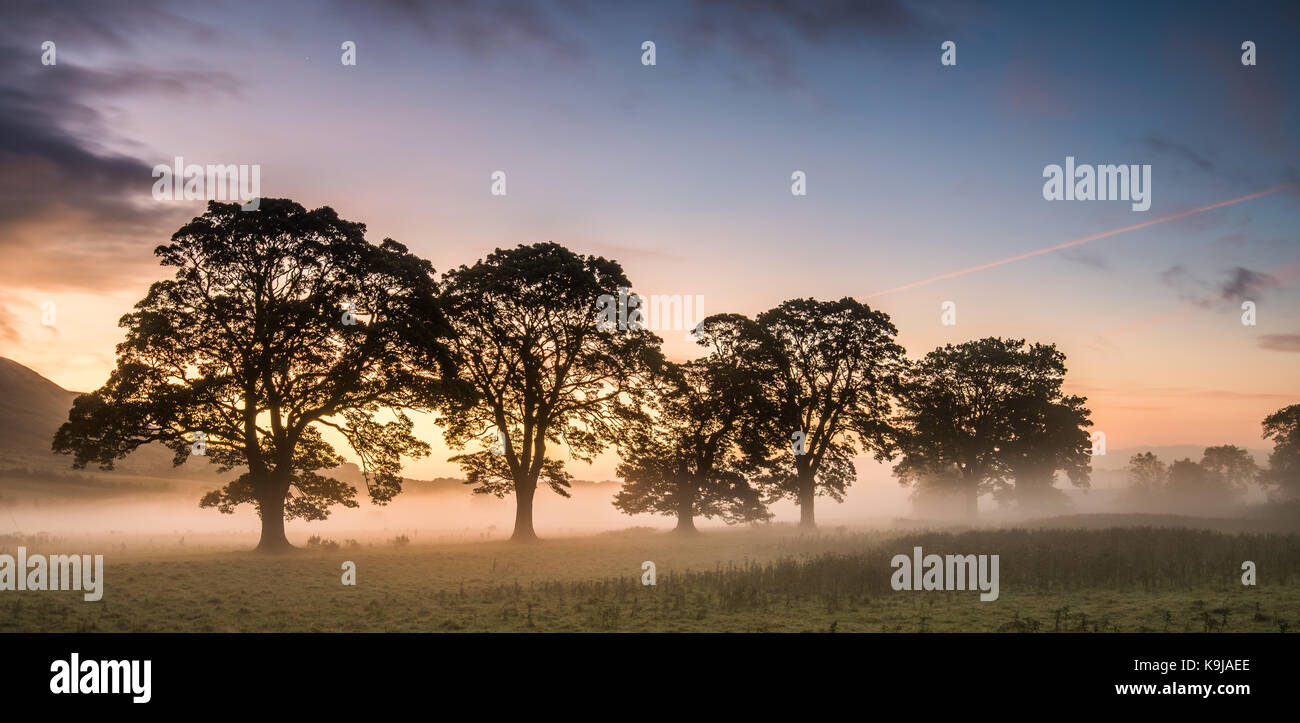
(31, 410)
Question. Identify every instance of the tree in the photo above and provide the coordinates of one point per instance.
(980, 413)
(1048, 434)
(1232, 466)
(1192, 487)
(1146, 476)
(246, 354)
(542, 372)
(1283, 428)
(1217, 480)
(834, 369)
(1146, 473)
(685, 459)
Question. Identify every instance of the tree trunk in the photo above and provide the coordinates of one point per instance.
(271, 507)
(807, 494)
(524, 513)
(685, 509)
(972, 500)
(685, 521)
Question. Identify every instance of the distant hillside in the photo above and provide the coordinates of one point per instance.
(32, 408)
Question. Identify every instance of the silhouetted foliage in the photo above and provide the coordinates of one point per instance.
(543, 374)
(1147, 477)
(989, 415)
(685, 458)
(1232, 466)
(1283, 474)
(834, 368)
(248, 345)
(1221, 478)
(1192, 484)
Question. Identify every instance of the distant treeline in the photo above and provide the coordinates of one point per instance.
(1221, 478)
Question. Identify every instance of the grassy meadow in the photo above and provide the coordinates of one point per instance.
(747, 580)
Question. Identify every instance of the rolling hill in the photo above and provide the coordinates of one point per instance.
(31, 410)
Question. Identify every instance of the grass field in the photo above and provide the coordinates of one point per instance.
(1052, 580)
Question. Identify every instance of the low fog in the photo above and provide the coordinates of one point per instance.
(160, 512)
(442, 511)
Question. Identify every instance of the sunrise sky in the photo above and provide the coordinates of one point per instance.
(681, 171)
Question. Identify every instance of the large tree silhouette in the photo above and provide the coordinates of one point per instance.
(1283, 473)
(979, 413)
(251, 346)
(685, 458)
(834, 370)
(543, 373)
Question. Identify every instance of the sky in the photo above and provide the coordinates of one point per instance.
(681, 170)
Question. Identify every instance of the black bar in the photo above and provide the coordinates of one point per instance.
(489, 672)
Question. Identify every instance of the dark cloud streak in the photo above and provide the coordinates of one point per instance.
(1239, 284)
(477, 27)
(1165, 146)
(1281, 342)
(54, 172)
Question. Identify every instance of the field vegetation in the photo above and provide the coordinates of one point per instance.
(1144, 579)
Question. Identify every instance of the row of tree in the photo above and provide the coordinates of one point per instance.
(1225, 473)
(780, 406)
(283, 322)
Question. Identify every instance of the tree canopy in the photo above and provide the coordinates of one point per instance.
(1283, 428)
(685, 457)
(543, 375)
(989, 415)
(834, 369)
(279, 323)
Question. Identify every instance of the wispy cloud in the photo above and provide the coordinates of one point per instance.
(68, 205)
(1238, 284)
(1168, 147)
(1280, 342)
(768, 34)
(1088, 258)
(481, 27)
